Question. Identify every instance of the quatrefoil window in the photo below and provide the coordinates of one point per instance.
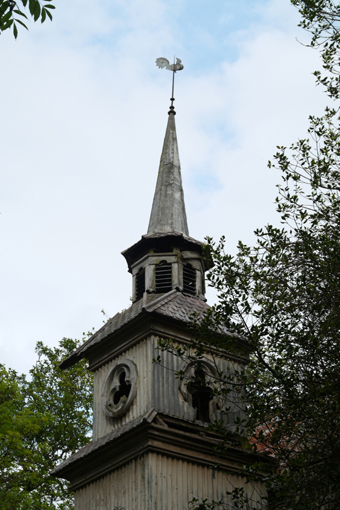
(120, 388)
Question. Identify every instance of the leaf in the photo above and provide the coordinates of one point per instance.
(4, 6)
(31, 6)
(37, 11)
(21, 23)
(6, 18)
(49, 14)
(20, 13)
(15, 31)
(7, 25)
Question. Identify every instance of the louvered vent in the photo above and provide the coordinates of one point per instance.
(163, 277)
(140, 283)
(189, 279)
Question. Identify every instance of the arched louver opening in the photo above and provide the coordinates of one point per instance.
(163, 277)
(140, 283)
(189, 279)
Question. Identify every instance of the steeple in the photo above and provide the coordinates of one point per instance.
(151, 448)
(168, 208)
(167, 259)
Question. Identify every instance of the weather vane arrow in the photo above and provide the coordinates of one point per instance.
(164, 63)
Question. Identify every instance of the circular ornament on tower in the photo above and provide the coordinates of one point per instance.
(120, 388)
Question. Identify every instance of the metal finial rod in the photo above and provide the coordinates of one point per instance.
(172, 99)
(164, 62)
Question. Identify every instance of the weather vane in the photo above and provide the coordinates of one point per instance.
(164, 62)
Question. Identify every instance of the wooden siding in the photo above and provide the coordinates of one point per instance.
(141, 354)
(154, 482)
(157, 386)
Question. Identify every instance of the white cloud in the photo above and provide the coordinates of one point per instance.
(83, 120)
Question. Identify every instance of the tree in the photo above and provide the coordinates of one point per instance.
(11, 14)
(43, 420)
(283, 297)
(17, 426)
(322, 19)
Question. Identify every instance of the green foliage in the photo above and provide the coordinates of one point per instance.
(43, 420)
(11, 15)
(283, 297)
(18, 425)
(195, 504)
(322, 19)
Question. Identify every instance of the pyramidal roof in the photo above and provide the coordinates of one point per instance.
(168, 208)
(173, 304)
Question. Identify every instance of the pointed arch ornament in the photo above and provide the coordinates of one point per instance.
(211, 381)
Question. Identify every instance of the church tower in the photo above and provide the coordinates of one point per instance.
(152, 448)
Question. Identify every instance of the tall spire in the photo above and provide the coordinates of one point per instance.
(167, 259)
(168, 208)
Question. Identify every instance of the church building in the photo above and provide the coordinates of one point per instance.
(152, 448)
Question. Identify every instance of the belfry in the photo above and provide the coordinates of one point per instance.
(152, 448)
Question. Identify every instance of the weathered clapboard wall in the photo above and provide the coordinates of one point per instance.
(157, 386)
(158, 482)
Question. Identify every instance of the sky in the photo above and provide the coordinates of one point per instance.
(83, 118)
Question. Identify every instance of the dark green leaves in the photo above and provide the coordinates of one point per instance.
(283, 296)
(322, 19)
(37, 11)
(11, 14)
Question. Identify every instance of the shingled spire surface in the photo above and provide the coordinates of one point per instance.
(168, 208)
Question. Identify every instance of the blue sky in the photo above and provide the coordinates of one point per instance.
(84, 111)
